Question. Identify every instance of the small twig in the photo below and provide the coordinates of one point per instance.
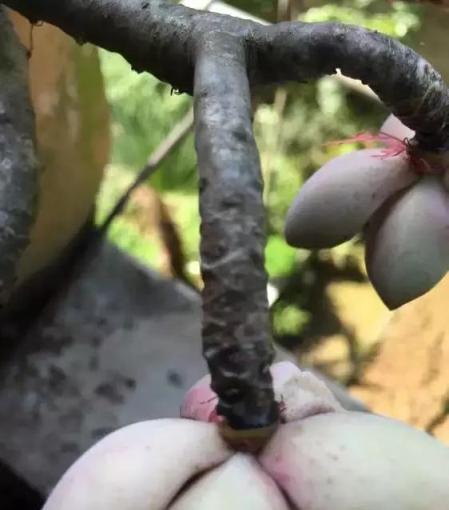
(169, 234)
(175, 137)
(440, 417)
(444, 4)
(173, 244)
(280, 102)
(96, 237)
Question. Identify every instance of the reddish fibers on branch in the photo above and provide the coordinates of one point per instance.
(393, 146)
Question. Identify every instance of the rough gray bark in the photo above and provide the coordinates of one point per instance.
(178, 44)
(18, 166)
(162, 38)
(405, 82)
(236, 339)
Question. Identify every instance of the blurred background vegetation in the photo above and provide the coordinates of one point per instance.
(293, 125)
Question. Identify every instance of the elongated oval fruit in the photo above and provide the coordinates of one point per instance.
(139, 467)
(408, 243)
(358, 461)
(320, 459)
(337, 201)
(394, 127)
(238, 483)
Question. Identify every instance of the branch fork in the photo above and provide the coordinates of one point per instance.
(219, 59)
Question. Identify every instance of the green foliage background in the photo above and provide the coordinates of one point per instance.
(292, 143)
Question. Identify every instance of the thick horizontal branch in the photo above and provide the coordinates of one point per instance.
(141, 31)
(18, 166)
(153, 35)
(236, 329)
(161, 38)
(404, 81)
(221, 7)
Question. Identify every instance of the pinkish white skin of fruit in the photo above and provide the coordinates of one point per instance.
(408, 248)
(331, 461)
(354, 461)
(336, 202)
(394, 127)
(139, 467)
(300, 393)
(239, 483)
(200, 402)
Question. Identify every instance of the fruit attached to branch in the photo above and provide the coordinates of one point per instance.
(396, 195)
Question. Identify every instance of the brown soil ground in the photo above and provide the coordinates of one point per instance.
(403, 358)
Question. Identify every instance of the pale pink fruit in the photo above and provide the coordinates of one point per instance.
(139, 467)
(336, 202)
(222, 487)
(408, 245)
(333, 460)
(358, 461)
(400, 197)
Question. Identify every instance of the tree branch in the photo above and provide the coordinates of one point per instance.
(161, 38)
(177, 135)
(236, 341)
(405, 82)
(222, 54)
(18, 166)
(152, 35)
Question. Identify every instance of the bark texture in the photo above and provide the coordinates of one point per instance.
(18, 165)
(218, 58)
(236, 340)
(161, 38)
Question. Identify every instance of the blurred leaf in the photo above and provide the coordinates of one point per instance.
(398, 20)
(280, 259)
(144, 111)
(127, 237)
(289, 320)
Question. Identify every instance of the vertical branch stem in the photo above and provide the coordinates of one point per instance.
(236, 339)
(18, 165)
